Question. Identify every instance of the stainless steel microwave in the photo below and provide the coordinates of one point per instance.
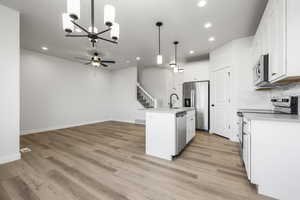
(261, 72)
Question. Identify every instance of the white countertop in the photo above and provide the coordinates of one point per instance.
(169, 110)
(273, 117)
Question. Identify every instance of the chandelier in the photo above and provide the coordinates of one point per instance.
(70, 21)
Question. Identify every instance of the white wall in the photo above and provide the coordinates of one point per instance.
(9, 85)
(124, 104)
(57, 93)
(158, 82)
(197, 71)
(245, 95)
(238, 55)
(292, 89)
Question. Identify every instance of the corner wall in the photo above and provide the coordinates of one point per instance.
(124, 104)
(57, 93)
(9, 85)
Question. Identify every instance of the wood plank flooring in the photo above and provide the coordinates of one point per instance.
(107, 161)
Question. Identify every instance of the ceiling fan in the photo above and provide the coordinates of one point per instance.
(97, 61)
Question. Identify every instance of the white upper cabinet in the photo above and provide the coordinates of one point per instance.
(278, 36)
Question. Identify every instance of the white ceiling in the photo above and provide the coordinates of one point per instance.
(41, 25)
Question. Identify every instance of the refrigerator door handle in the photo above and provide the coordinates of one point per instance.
(193, 98)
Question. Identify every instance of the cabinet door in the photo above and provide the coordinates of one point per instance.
(246, 154)
(188, 129)
(193, 125)
(277, 35)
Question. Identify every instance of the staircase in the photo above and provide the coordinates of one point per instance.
(145, 99)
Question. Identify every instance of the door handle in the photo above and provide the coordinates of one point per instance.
(212, 105)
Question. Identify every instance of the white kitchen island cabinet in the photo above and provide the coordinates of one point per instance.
(168, 131)
(273, 154)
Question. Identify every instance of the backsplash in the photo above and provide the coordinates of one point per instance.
(292, 89)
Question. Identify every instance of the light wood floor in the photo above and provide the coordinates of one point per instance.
(107, 161)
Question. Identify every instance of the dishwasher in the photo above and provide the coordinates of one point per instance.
(180, 132)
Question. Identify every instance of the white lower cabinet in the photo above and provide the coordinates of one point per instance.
(271, 153)
(190, 126)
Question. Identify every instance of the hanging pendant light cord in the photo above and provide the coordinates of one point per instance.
(93, 15)
(159, 24)
(159, 40)
(175, 54)
(176, 43)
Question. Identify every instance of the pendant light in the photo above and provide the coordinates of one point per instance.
(109, 15)
(73, 9)
(68, 26)
(174, 64)
(115, 31)
(159, 56)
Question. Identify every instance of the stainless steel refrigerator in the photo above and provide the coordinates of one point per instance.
(196, 94)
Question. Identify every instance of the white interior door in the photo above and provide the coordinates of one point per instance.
(220, 105)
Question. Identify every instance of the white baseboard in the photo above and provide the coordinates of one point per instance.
(10, 158)
(125, 121)
(140, 121)
(27, 132)
(32, 131)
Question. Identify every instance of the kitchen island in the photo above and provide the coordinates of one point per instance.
(168, 131)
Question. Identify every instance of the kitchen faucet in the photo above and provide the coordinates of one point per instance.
(174, 94)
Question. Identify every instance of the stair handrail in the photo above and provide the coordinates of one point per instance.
(148, 95)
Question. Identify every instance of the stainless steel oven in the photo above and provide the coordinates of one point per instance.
(261, 71)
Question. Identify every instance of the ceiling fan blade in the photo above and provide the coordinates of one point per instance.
(104, 65)
(108, 61)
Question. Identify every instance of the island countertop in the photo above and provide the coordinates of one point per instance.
(170, 110)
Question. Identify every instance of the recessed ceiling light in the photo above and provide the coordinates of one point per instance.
(45, 48)
(78, 30)
(207, 25)
(192, 52)
(211, 39)
(202, 3)
(138, 58)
